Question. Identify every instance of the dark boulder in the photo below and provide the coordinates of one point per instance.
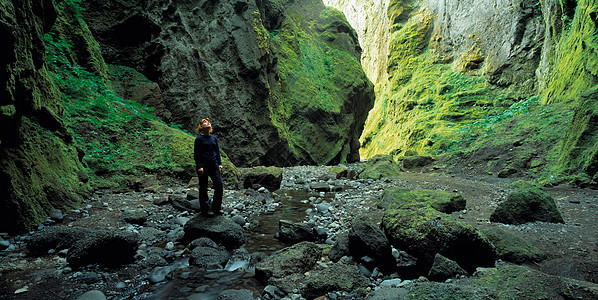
(294, 260)
(424, 231)
(527, 203)
(207, 254)
(367, 239)
(340, 248)
(220, 229)
(55, 237)
(337, 277)
(292, 233)
(108, 248)
(268, 177)
(444, 268)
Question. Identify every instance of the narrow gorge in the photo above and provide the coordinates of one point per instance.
(367, 107)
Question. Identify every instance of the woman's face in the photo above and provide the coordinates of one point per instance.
(206, 124)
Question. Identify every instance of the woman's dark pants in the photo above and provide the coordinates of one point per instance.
(204, 201)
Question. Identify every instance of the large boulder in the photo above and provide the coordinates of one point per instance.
(379, 166)
(287, 263)
(268, 177)
(527, 203)
(440, 200)
(424, 232)
(292, 233)
(512, 248)
(444, 268)
(219, 229)
(108, 248)
(367, 239)
(337, 277)
(207, 254)
(55, 238)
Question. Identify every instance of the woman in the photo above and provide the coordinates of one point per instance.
(206, 153)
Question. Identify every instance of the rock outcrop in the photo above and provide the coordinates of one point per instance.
(527, 203)
(425, 232)
(239, 63)
(40, 167)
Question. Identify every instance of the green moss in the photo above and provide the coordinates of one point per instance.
(397, 198)
(510, 247)
(578, 151)
(84, 50)
(426, 102)
(44, 173)
(318, 75)
(576, 67)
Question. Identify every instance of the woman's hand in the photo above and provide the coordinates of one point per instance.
(220, 168)
(200, 171)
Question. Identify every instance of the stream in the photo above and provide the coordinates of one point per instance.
(192, 282)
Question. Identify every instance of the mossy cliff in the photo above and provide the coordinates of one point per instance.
(66, 129)
(324, 89)
(280, 80)
(40, 166)
(494, 83)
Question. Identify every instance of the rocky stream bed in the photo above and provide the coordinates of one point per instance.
(566, 267)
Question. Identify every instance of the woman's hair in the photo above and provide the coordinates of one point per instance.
(199, 126)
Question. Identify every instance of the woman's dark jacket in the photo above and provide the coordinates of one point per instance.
(206, 151)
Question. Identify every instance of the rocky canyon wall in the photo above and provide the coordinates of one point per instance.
(40, 167)
(221, 59)
(451, 64)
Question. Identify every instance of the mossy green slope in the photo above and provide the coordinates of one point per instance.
(120, 138)
(325, 93)
(432, 104)
(426, 101)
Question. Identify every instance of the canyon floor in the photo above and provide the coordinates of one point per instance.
(571, 248)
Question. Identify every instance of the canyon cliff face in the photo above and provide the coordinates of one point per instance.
(40, 167)
(452, 65)
(243, 64)
(221, 59)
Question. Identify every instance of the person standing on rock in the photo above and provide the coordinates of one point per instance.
(206, 153)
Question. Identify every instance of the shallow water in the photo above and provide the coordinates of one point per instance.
(193, 282)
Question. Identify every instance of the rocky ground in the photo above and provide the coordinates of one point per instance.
(161, 270)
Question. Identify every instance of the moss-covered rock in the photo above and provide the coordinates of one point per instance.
(578, 149)
(415, 161)
(442, 201)
(527, 203)
(268, 177)
(520, 282)
(380, 166)
(40, 167)
(423, 232)
(336, 277)
(341, 171)
(510, 247)
(325, 93)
